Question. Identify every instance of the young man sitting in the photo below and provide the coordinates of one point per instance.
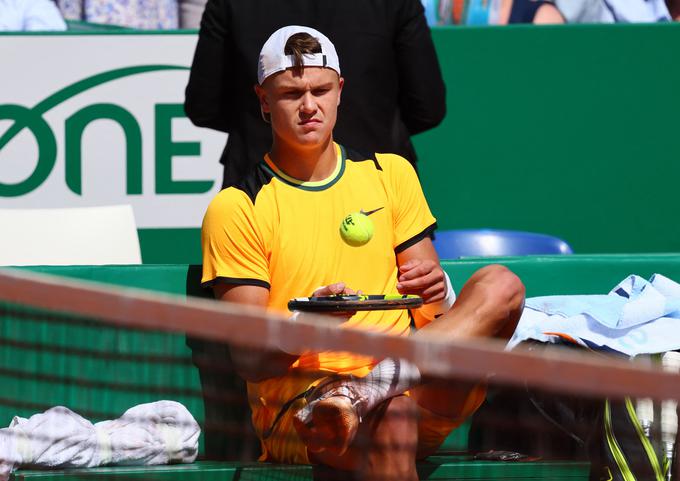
(275, 236)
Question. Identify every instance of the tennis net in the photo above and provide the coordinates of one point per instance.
(97, 348)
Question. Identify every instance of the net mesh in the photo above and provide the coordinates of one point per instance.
(100, 350)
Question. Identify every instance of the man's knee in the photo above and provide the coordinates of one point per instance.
(499, 298)
(502, 286)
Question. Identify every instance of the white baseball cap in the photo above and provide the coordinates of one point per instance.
(273, 59)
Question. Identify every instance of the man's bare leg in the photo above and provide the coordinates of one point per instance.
(385, 445)
(331, 427)
(335, 407)
(489, 305)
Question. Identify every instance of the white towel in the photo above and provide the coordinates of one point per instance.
(148, 434)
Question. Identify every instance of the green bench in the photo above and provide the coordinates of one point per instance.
(99, 371)
(438, 468)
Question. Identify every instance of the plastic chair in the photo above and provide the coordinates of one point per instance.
(452, 244)
(71, 236)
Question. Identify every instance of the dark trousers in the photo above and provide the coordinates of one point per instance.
(228, 430)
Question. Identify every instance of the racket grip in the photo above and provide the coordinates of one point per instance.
(670, 362)
(644, 407)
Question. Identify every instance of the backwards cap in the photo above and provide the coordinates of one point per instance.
(273, 58)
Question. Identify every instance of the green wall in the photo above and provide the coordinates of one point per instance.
(170, 246)
(571, 131)
(567, 130)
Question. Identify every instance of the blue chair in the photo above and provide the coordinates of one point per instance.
(452, 244)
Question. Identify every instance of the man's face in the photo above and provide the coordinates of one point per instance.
(302, 103)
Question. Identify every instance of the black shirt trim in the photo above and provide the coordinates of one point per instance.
(356, 156)
(427, 232)
(236, 281)
(255, 180)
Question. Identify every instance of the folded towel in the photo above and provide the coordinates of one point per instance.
(161, 432)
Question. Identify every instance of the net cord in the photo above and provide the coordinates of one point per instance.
(470, 359)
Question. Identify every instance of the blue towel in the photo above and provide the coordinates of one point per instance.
(637, 316)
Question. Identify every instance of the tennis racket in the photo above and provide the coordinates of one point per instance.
(342, 303)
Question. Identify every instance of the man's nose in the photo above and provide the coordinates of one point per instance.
(308, 103)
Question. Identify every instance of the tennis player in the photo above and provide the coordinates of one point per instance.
(275, 236)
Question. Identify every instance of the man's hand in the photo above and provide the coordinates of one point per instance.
(336, 289)
(423, 277)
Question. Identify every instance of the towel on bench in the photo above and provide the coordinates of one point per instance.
(636, 317)
(161, 432)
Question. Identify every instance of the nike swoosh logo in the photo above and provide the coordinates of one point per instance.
(371, 211)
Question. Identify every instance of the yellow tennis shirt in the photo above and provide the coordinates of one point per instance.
(284, 234)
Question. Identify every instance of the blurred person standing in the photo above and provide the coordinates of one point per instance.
(504, 12)
(30, 15)
(396, 90)
(190, 12)
(141, 14)
(614, 11)
(538, 12)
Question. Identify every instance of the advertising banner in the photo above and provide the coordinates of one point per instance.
(97, 119)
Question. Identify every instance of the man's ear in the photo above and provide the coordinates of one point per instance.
(341, 82)
(262, 96)
(264, 106)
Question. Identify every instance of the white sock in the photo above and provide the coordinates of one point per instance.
(389, 378)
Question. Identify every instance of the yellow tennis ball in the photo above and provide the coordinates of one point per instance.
(356, 229)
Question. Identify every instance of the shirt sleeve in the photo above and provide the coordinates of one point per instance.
(233, 246)
(412, 218)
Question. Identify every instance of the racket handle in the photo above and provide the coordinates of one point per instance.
(669, 414)
(644, 407)
(669, 421)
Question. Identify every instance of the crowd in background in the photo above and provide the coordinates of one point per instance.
(502, 12)
(173, 14)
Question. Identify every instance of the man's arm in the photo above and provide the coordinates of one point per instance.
(674, 9)
(204, 101)
(420, 273)
(422, 94)
(251, 364)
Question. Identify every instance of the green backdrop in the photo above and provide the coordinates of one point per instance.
(570, 130)
(567, 130)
